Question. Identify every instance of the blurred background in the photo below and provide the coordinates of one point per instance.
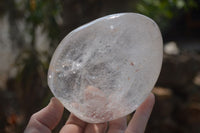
(30, 30)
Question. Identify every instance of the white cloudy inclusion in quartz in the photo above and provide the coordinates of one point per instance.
(105, 69)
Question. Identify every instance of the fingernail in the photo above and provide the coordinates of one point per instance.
(55, 101)
(52, 100)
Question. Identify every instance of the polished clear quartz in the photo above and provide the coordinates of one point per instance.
(105, 69)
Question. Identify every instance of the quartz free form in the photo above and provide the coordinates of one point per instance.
(105, 69)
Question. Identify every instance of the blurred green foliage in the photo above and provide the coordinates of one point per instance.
(32, 64)
(164, 11)
(43, 13)
(30, 83)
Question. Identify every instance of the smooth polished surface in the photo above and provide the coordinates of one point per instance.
(105, 69)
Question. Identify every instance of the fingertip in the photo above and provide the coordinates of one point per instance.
(151, 95)
(76, 121)
(96, 128)
(73, 124)
(56, 102)
(147, 104)
(52, 99)
(120, 123)
(151, 98)
(139, 120)
(48, 117)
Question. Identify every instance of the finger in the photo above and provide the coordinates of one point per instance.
(118, 125)
(46, 119)
(96, 128)
(141, 116)
(73, 125)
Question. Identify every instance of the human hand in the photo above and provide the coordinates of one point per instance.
(46, 120)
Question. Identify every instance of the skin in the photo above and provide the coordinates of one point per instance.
(46, 120)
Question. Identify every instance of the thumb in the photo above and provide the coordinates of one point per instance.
(46, 119)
